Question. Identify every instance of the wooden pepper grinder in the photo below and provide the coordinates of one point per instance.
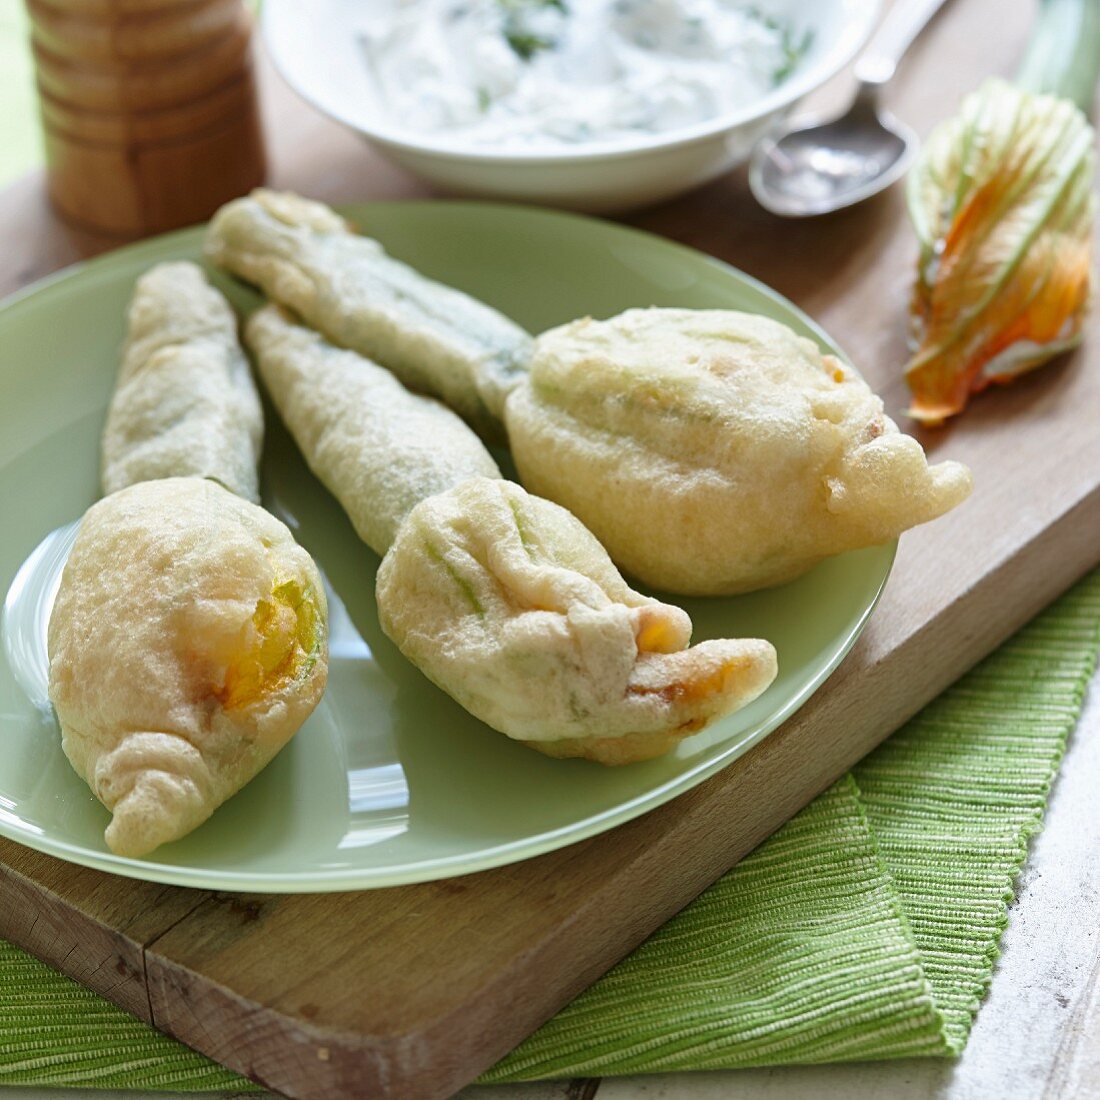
(149, 109)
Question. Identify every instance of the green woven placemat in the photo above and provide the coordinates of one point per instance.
(867, 927)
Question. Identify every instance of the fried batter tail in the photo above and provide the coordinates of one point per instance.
(157, 787)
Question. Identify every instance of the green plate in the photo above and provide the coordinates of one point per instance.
(390, 781)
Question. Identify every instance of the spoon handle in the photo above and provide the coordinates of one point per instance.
(903, 22)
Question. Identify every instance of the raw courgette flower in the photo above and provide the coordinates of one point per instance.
(1003, 208)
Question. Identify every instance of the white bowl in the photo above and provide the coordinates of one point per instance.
(315, 48)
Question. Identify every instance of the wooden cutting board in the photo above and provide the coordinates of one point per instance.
(409, 993)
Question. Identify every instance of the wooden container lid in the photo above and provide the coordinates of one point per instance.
(128, 39)
(150, 84)
(111, 9)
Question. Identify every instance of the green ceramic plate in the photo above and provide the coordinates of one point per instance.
(390, 781)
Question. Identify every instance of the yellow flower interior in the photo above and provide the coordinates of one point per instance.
(283, 636)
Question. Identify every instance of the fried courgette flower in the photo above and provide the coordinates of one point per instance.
(507, 602)
(437, 340)
(715, 452)
(187, 645)
(184, 403)
(1002, 202)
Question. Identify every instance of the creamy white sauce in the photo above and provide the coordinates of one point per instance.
(562, 72)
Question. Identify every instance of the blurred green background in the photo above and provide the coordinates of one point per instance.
(20, 142)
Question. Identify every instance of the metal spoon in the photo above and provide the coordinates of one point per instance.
(827, 164)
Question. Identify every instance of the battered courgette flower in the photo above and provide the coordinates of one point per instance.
(187, 646)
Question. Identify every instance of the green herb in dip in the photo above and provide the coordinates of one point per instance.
(532, 73)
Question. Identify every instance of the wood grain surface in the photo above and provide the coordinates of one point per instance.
(410, 992)
(150, 119)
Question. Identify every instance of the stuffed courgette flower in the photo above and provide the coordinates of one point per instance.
(184, 402)
(437, 340)
(715, 452)
(504, 600)
(508, 603)
(187, 642)
(187, 646)
(1002, 202)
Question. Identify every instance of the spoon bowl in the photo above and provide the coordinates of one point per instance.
(827, 165)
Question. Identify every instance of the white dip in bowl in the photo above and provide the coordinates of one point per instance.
(592, 104)
(547, 74)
